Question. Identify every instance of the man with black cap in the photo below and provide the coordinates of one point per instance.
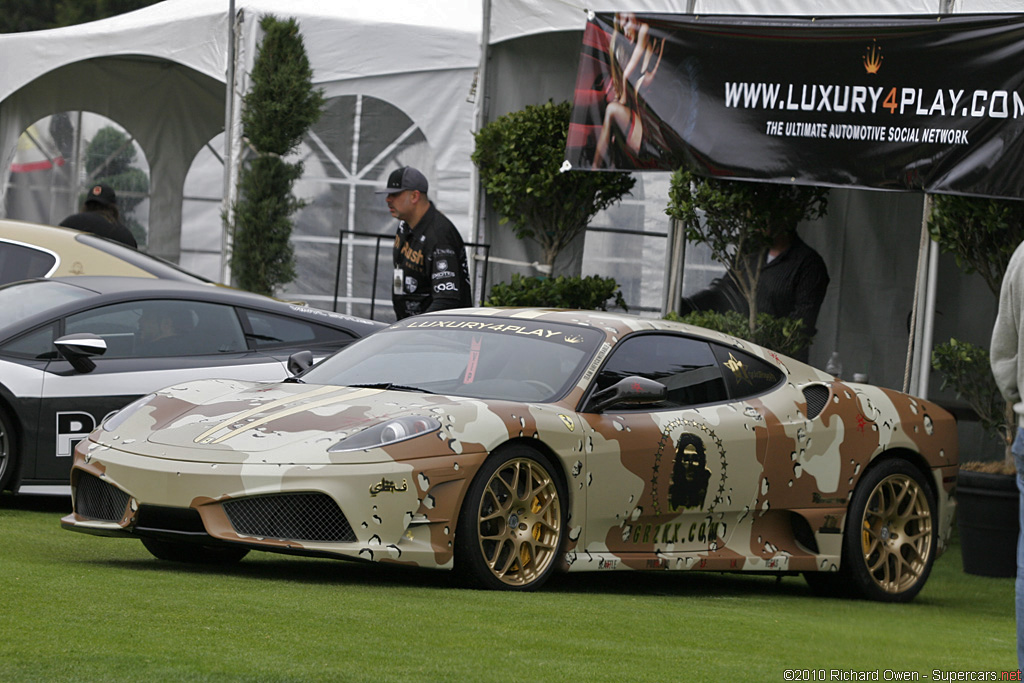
(100, 216)
(430, 257)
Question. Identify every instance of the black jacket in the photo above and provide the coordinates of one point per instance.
(430, 267)
(792, 285)
(98, 224)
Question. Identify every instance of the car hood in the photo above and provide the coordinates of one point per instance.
(223, 421)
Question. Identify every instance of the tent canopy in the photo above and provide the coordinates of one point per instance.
(161, 73)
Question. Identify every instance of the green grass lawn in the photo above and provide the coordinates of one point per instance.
(84, 608)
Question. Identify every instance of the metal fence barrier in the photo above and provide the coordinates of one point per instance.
(486, 248)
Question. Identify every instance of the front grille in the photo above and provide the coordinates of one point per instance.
(816, 396)
(182, 520)
(292, 516)
(96, 499)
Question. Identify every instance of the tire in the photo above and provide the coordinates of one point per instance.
(8, 450)
(891, 536)
(512, 527)
(193, 553)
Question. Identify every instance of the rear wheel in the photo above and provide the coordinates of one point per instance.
(512, 526)
(8, 450)
(193, 553)
(890, 541)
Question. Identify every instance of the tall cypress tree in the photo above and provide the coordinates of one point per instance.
(278, 110)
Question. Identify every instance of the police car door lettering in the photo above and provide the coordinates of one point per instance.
(72, 427)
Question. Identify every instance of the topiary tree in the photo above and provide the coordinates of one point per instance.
(110, 158)
(737, 220)
(276, 113)
(981, 234)
(520, 157)
(587, 293)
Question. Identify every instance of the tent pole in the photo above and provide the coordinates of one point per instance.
(476, 199)
(928, 329)
(921, 318)
(229, 111)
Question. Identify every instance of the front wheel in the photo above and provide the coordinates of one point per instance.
(193, 553)
(891, 538)
(512, 525)
(8, 450)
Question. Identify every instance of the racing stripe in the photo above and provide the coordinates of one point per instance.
(348, 395)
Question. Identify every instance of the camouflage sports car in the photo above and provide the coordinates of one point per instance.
(510, 443)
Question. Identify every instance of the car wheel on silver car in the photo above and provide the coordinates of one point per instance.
(7, 449)
(512, 526)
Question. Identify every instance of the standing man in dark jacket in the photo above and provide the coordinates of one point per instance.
(430, 257)
(791, 284)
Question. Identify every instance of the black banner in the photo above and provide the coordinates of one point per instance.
(932, 103)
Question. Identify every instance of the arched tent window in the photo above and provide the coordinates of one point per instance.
(347, 155)
(62, 155)
(350, 151)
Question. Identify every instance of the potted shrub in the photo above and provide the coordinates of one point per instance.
(588, 293)
(981, 234)
(785, 335)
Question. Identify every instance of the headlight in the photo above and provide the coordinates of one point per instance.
(385, 433)
(118, 418)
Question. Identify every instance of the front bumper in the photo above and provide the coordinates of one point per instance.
(382, 511)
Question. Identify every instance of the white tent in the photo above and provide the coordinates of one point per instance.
(160, 72)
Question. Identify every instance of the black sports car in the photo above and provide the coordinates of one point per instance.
(73, 350)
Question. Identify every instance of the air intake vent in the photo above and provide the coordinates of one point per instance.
(816, 396)
(96, 499)
(290, 517)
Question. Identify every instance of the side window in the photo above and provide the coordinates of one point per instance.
(115, 324)
(143, 329)
(20, 262)
(686, 366)
(37, 344)
(746, 375)
(269, 331)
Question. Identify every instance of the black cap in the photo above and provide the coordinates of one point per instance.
(101, 194)
(405, 178)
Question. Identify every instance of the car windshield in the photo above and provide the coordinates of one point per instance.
(492, 358)
(21, 300)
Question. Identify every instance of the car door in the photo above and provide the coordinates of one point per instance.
(670, 483)
(210, 343)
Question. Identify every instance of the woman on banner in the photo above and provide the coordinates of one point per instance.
(632, 51)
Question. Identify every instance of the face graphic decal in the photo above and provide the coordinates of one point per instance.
(690, 474)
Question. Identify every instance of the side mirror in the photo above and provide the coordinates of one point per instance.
(78, 349)
(299, 362)
(633, 390)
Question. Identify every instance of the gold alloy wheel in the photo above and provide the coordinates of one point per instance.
(519, 522)
(896, 533)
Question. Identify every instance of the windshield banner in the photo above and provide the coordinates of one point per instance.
(932, 103)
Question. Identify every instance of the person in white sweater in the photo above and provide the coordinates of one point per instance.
(1005, 353)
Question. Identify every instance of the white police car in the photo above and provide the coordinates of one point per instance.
(73, 350)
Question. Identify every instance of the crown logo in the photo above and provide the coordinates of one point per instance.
(873, 58)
